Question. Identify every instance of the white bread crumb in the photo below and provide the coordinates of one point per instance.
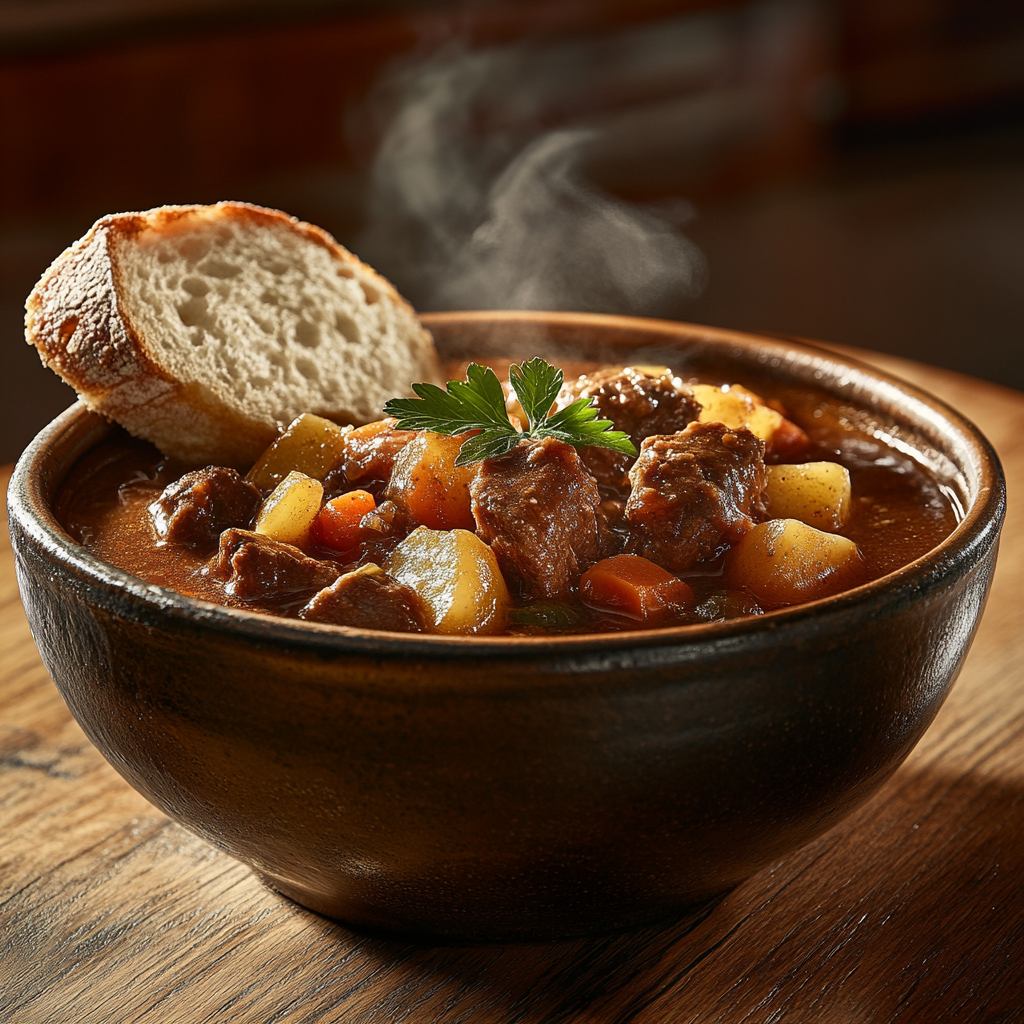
(205, 329)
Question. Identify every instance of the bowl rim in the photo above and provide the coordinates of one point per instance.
(135, 598)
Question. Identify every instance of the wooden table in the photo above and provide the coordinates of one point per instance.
(910, 910)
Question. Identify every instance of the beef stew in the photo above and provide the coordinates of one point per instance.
(377, 527)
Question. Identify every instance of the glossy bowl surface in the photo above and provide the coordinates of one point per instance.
(510, 788)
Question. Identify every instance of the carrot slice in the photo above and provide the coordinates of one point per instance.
(635, 586)
(789, 440)
(337, 524)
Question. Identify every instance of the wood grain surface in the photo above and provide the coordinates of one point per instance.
(910, 910)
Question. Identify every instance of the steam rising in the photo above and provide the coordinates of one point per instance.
(472, 207)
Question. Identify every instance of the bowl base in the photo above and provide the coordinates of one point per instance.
(482, 931)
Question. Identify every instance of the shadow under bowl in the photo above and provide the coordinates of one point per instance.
(520, 787)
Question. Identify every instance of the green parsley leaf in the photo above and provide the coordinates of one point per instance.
(478, 404)
(488, 444)
(579, 421)
(537, 384)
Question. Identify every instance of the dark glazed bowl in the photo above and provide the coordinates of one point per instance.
(497, 788)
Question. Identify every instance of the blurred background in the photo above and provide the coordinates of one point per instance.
(849, 170)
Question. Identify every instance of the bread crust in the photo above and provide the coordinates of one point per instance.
(78, 318)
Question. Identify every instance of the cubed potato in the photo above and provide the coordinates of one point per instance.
(426, 482)
(784, 561)
(290, 510)
(816, 493)
(457, 576)
(310, 445)
(736, 406)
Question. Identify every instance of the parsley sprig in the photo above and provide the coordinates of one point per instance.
(478, 403)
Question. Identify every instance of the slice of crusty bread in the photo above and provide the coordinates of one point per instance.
(204, 329)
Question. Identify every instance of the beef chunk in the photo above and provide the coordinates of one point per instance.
(369, 599)
(693, 493)
(636, 403)
(195, 509)
(370, 453)
(269, 572)
(537, 508)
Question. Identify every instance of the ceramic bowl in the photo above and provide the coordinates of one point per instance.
(520, 788)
